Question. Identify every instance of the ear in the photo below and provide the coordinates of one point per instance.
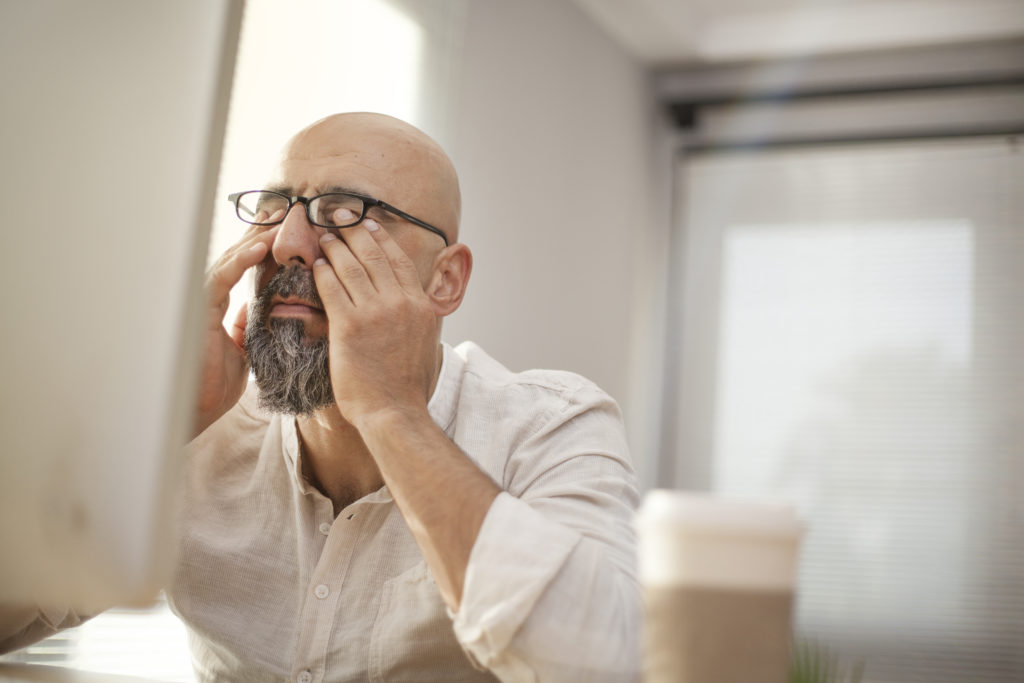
(450, 277)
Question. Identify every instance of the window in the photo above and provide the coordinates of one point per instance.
(850, 340)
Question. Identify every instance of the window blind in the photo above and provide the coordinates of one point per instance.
(850, 336)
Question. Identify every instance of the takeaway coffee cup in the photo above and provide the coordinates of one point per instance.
(718, 578)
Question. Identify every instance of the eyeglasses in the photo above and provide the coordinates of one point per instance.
(321, 210)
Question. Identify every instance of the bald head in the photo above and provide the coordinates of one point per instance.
(380, 156)
(371, 155)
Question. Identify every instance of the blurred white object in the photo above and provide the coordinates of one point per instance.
(22, 673)
(707, 540)
(113, 121)
(718, 577)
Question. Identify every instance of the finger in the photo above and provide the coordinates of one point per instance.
(228, 271)
(348, 269)
(253, 233)
(369, 254)
(257, 232)
(400, 265)
(332, 292)
(238, 327)
(263, 217)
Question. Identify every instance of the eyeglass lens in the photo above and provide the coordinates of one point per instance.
(334, 210)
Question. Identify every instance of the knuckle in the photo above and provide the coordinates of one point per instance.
(220, 262)
(395, 301)
(217, 276)
(350, 271)
(376, 259)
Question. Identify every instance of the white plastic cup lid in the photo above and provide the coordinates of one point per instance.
(701, 539)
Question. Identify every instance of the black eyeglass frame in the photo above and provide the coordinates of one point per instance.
(366, 200)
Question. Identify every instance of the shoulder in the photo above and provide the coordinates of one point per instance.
(543, 435)
(545, 390)
(536, 416)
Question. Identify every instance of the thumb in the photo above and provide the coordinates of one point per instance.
(238, 327)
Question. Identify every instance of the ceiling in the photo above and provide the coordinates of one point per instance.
(675, 32)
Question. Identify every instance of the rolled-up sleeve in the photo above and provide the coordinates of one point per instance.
(551, 591)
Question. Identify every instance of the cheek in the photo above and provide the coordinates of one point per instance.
(425, 268)
(419, 252)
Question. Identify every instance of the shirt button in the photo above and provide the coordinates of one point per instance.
(325, 528)
(321, 591)
(305, 677)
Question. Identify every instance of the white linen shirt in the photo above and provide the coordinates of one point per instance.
(274, 587)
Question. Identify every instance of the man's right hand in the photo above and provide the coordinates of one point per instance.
(225, 364)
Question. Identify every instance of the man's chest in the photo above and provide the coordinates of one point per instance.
(281, 587)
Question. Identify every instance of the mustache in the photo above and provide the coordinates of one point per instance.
(290, 281)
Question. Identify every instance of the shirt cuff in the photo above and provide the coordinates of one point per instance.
(517, 553)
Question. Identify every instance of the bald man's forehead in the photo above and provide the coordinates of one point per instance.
(378, 133)
(337, 141)
(379, 156)
(370, 171)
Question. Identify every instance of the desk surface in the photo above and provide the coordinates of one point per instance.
(26, 673)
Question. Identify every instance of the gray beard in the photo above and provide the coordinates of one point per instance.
(293, 374)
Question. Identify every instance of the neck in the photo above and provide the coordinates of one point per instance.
(335, 458)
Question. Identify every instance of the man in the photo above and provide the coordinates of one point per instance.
(379, 505)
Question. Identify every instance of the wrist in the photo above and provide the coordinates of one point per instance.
(392, 419)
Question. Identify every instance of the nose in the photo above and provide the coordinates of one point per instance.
(298, 240)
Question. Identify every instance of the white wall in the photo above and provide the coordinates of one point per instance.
(566, 201)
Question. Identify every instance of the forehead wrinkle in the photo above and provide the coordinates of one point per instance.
(393, 161)
(294, 175)
(415, 192)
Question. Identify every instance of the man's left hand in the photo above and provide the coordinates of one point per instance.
(384, 350)
(382, 328)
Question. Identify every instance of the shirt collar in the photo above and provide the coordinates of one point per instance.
(290, 446)
(441, 407)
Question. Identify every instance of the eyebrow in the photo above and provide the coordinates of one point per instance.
(289, 190)
(283, 189)
(342, 188)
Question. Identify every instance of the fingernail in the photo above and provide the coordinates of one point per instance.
(328, 236)
(257, 246)
(371, 225)
(320, 262)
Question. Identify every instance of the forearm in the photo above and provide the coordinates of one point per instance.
(586, 625)
(442, 494)
(562, 606)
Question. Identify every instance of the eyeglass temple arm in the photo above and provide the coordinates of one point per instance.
(413, 219)
(233, 198)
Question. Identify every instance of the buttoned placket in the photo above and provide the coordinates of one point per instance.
(336, 542)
